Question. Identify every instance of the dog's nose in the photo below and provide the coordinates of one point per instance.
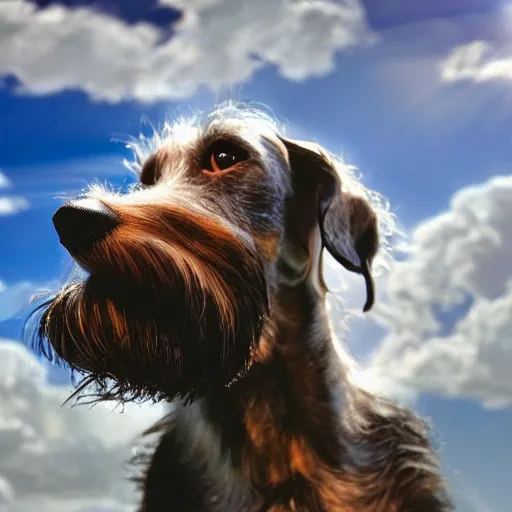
(80, 224)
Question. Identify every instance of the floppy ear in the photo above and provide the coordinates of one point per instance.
(347, 222)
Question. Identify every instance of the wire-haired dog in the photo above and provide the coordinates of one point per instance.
(205, 284)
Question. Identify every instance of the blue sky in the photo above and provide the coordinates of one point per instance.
(418, 138)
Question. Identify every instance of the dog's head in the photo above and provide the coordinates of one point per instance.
(182, 270)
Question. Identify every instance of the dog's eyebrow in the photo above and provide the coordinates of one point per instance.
(215, 134)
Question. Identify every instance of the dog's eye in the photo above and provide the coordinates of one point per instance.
(150, 171)
(222, 156)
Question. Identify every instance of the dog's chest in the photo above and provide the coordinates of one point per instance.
(269, 453)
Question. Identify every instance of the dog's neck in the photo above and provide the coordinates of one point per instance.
(303, 336)
(299, 299)
(293, 397)
(299, 341)
(299, 328)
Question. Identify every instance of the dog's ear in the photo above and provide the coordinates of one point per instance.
(347, 222)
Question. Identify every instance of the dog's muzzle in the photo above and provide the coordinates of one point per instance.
(81, 224)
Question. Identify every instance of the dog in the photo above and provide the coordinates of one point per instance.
(205, 288)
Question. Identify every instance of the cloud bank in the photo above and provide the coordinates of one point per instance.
(216, 43)
(57, 458)
(477, 61)
(449, 305)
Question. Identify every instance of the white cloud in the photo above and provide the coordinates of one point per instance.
(12, 205)
(460, 267)
(477, 61)
(213, 45)
(6, 494)
(5, 182)
(57, 458)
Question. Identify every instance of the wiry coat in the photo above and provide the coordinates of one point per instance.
(210, 290)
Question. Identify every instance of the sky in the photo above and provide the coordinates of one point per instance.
(416, 95)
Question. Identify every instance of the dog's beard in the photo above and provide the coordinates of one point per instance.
(173, 308)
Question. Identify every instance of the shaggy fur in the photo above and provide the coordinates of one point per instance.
(205, 285)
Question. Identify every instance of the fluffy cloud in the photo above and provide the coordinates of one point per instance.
(449, 305)
(12, 205)
(57, 458)
(477, 61)
(216, 43)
